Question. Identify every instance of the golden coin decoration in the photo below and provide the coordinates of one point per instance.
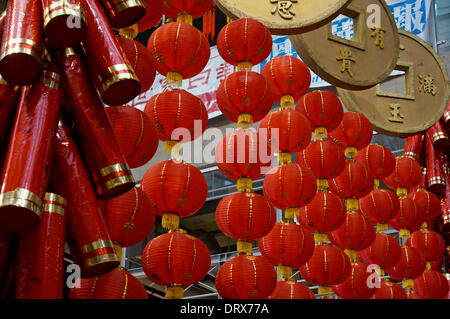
(358, 62)
(416, 108)
(285, 17)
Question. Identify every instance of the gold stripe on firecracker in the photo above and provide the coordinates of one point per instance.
(116, 73)
(446, 116)
(19, 202)
(63, 8)
(97, 245)
(52, 197)
(52, 208)
(25, 194)
(125, 179)
(106, 258)
(115, 168)
(22, 45)
(410, 155)
(69, 52)
(436, 180)
(438, 136)
(50, 79)
(121, 5)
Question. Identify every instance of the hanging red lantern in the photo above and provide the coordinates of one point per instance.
(355, 233)
(178, 189)
(244, 42)
(354, 182)
(384, 251)
(412, 294)
(135, 133)
(324, 158)
(406, 175)
(140, 60)
(324, 213)
(389, 290)
(287, 246)
(244, 97)
(179, 51)
(379, 160)
(379, 206)
(130, 217)
(245, 217)
(289, 78)
(429, 243)
(408, 219)
(193, 8)
(355, 286)
(427, 202)
(413, 146)
(177, 109)
(240, 156)
(289, 186)
(246, 277)
(432, 285)
(153, 15)
(117, 284)
(327, 266)
(175, 260)
(409, 266)
(294, 133)
(323, 110)
(290, 289)
(353, 133)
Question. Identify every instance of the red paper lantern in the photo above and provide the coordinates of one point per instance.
(287, 246)
(130, 217)
(179, 50)
(289, 78)
(324, 213)
(410, 265)
(244, 41)
(408, 218)
(431, 285)
(135, 133)
(290, 289)
(117, 284)
(175, 260)
(289, 186)
(355, 181)
(427, 202)
(407, 173)
(413, 295)
(245, 216)
(243, 154)
(244, 97)
(177, 109)
(355, 286)
(140, 60)
(195, 8)
(353, 133)
(153, 15)
(322, 108)
(177, 188)
(389, 290)
(384, 251)
(246, 277)
(379, 160)
(327, 266)
(429, 243)
(324, 158)
(379, 206)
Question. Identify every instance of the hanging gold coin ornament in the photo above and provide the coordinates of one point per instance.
(357, 63)
(427, 91)
(285, 17)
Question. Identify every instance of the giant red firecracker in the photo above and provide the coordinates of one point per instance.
(414, 146)
(9, 98)
(435, 169)
(122, 14)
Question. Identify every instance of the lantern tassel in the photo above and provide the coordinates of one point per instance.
(174, 292)
(290, 212)
(320, 132)
(322, 185)
(325, 290)
(350, 152)
(404, 233)
(286, 101)
(244, 184)
(244, 246)
(351, 253)
(320, 238)
(174, 79)
(184, 17)
(245, 120)
(408, 283)
(402, 192)
(244, 66)
(352, 204)
(284, 272)
(376, 183)
(382, 227)
(170, 221)
(284, 158)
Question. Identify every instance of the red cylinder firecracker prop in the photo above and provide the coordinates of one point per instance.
(244, 42)
(288, 77)
(244, 97)
(107, 165)
(290, 289)
(9, 99)
(29, 158)
(324, 111)
(112, 73)
(245, 217)
(432, 285)
(174, 110)
(379, 160)
(328, 266)
(428, 203)
(379, 206)
(175, 260)
(153, 15)
(435, 169)
(414, 146)
(122, 14)
(116, 284)
(140, 60)
(177, 188)
(408, 219)
(287, 246)
(130, 217)
(406, 175)
(179, 51)
(22, 44)
(356, 285)
(41, 254)
(246, 277)
(429, 243)
(409, 266)
(135, 132)
(389, 290)
(64, 22)
(186, 10)
(353, 133)
(384, 252)
(6, 255)
(438, 136)
(423, 183)
(445, 207)
(88, 236)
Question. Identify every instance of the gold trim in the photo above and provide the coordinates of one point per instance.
(75, 11)
(121, 5)
(438, 136)
(23, 193)
(69, 52)
(21, 50)
(119, 181)
(19, 202)
(50, 83)
(101, 259)
(115, 168)
(52, 208)
(52, 197)
(118, 77)
(97, 245)
(436, 180)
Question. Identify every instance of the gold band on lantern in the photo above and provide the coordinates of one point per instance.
(174, 79)
(97, 245)
(382, 227)
(61, 8)
(244, 246)
(244, 66)
(284, 272)
(324, 290)
(101, 259)
(10, 47)
(408, 283)
(245, 120)
(436, 180)
(438, 136)
(284, 158)
(112, 183)
(402, 192)
(322, 185)
(115, 168)
(320, 238)
(291, 212)
(121, 5)
(350, 152)
(320, 132)
(351, 253)
(286, 101)
(352, 204)
(116, 73)
(244, 185)
(52, 208)
(184, 17)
